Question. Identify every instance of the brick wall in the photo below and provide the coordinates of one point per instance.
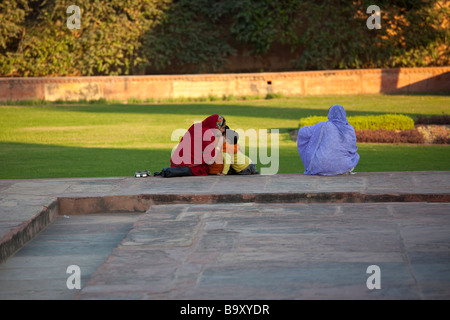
(368, 81)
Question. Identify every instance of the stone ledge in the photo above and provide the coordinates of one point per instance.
(23, 217)
(141, 203)
(18, 237)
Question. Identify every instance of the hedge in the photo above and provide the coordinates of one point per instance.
(435, 119)
(389, 136)
(383, 122)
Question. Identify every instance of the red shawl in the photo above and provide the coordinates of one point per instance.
(197, 146)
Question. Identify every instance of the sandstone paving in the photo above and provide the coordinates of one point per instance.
(267, 252)
(285, 236)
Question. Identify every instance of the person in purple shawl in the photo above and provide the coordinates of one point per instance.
(329, 147)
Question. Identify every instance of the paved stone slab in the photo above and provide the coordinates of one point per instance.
(279, 251)
(225, 226)
(38, 270)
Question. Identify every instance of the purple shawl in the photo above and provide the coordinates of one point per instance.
(329, 147)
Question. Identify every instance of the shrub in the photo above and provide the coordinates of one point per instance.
(435, 134)
(436, 119)
(442, 140)
(271, 95)
(212, 97)
(135, 101)
(385, 122)
(229, 97)
(389, 136)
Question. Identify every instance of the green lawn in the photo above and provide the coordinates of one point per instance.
(97, 140)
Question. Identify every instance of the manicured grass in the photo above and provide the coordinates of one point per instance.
(95, 140)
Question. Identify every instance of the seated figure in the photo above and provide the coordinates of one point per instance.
(329, 147)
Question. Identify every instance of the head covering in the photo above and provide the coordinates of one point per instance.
(220, 121)
(213, 122)
(337, 114)
(195, 146)
(329, 147)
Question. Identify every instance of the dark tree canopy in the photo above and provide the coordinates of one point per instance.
(121, 37)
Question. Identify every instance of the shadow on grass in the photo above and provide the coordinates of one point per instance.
(32, 161)
(205, 110)
(29, 161)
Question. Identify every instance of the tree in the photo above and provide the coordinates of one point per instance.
(121, 37)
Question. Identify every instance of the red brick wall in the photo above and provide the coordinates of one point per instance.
(368, 81)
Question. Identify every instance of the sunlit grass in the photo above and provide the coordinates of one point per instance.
(68, 140)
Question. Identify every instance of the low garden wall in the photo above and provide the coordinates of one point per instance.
(366, 81)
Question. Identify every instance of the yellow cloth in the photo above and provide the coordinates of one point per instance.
(234, 158)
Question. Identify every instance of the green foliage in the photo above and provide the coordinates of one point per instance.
(12, 17)
(335, 36)
(274, 95)
(200, 35)
(37, 41)
(190, 36)
(384, 122)
(187, 40)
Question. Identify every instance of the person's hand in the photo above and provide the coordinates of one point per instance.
(221, 174)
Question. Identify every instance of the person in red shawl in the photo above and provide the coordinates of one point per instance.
(198, 148)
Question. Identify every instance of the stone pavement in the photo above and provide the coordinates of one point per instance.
(286, 236)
